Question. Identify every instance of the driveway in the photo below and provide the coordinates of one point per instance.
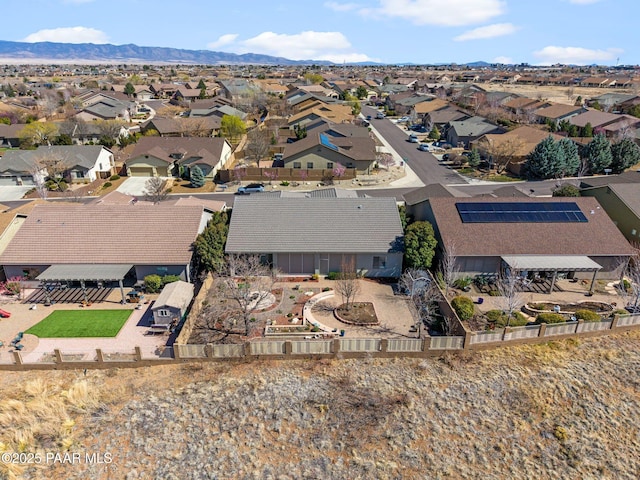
(135, 186)
(9, 193)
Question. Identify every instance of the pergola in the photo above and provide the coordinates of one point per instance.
(553, 263)
(83, 273)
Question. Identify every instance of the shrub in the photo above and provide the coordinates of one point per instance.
(284, 183)
(587, 315)
(549, 318)
(619, 311)
(463, 307)
(107, 184)
(113, 178)
(169, 279)
(500, 318)
(152, 283)
(332, 275)
(326, 289)
(315, 276)
(463, 282)
(494, 293)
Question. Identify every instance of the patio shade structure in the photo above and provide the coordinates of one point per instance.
(553, 263)
(85, 272)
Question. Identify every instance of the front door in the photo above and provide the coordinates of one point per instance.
(324, 263)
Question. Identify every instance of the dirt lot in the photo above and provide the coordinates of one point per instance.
(559, 94)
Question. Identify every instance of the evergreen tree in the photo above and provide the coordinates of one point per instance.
(599, 154)
(546, 160)
(434, 134)
(201, 84)
(420, 245)
(196, 177)
(570, 157)
(474, 158)
(129, 89)
(203, 93)
(587, 130)
(625, 154)
(209, 245)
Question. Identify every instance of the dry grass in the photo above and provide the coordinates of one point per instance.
(552, 93)
(563, 409)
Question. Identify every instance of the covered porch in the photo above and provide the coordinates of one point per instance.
(534, 268)
(57, 278)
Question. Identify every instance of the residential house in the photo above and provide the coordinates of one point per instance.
(462, 132)
(557, 112)
(80, 163)
(108, 109)
(135, 240)
(524, 140)
(9, 135)
(171, 305)
(621, 201)
(305, 236)
(333, 113)
(176, 156)
(570, 236)
(326, 150)
(441, 117)
(182, 127)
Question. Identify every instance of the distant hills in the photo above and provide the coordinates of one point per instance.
(38, 52)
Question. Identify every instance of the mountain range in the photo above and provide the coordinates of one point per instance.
(22, 52)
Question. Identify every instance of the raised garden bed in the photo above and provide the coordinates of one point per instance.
(534, 309)
(359, 313)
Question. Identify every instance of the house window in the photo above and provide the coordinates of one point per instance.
(329, 164)
(633, 232)
(297, 165)
(310, 165)
(162, 269)
(164, 313)
(379, 262)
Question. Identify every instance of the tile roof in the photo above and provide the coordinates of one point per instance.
(136, 234)
(350, 225)
(598, 236)
(557, 111)
(208, 149)
(71, 155)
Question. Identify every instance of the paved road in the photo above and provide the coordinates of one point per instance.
(424, 164)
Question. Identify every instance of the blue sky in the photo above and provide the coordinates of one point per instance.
(539, 32)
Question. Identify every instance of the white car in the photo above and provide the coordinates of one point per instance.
(402, 119)
(424, 147)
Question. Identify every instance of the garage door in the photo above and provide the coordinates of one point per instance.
(8, 181)
(141, 171)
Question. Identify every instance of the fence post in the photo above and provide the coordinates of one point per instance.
(426, 343)
(288, 347)
(384, 345)
(208, 350)
(176, 351)
(614, 322)
(335, 348)
(580, 322)
(99, 355)
(58, 356)
(543, 328)
(247, 349)
(138, 354)
(505, 331)
(467, 339)
(17, 357)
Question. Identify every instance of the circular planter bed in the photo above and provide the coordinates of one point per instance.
(359, 313)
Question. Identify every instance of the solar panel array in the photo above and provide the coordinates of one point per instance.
(324, 140)
(520, 212)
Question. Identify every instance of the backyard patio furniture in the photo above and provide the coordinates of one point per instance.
(18, 346)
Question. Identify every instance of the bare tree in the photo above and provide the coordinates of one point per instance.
(631, 294)
(570, 92)
(155, 190)
(503, 151)
(509, 286)
(258, 144)
(424, 296)
(348, 282)
(110, 128)
(449, 265)
(194, 127)
(386, 160)
(238, 292)
(54, 164)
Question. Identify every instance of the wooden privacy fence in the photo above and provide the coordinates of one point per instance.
(254, 174)
(337, 347)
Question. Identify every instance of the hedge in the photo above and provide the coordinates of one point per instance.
(550, 318)
(500, 318)
(463, 307)
(587, 315)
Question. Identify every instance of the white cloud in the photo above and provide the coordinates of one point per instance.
(451, 13)
(575, 55)
(341, 7)
(504, 60)
(68, 35)
(310, 45)
(223, 40)
(488, 31)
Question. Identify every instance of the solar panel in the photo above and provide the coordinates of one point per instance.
(324, 140)
(520, 212)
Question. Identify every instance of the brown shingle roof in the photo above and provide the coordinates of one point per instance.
(597, 237)
(136, 234)
(557, 111)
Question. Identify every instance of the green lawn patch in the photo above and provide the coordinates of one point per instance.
(80, 323)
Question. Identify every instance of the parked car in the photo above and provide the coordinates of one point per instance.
(379, 115)
(251, 188)
(403, 119)
(424, 147)
(445, 157)
(412, 138)
(418, 128)
(368, 117)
